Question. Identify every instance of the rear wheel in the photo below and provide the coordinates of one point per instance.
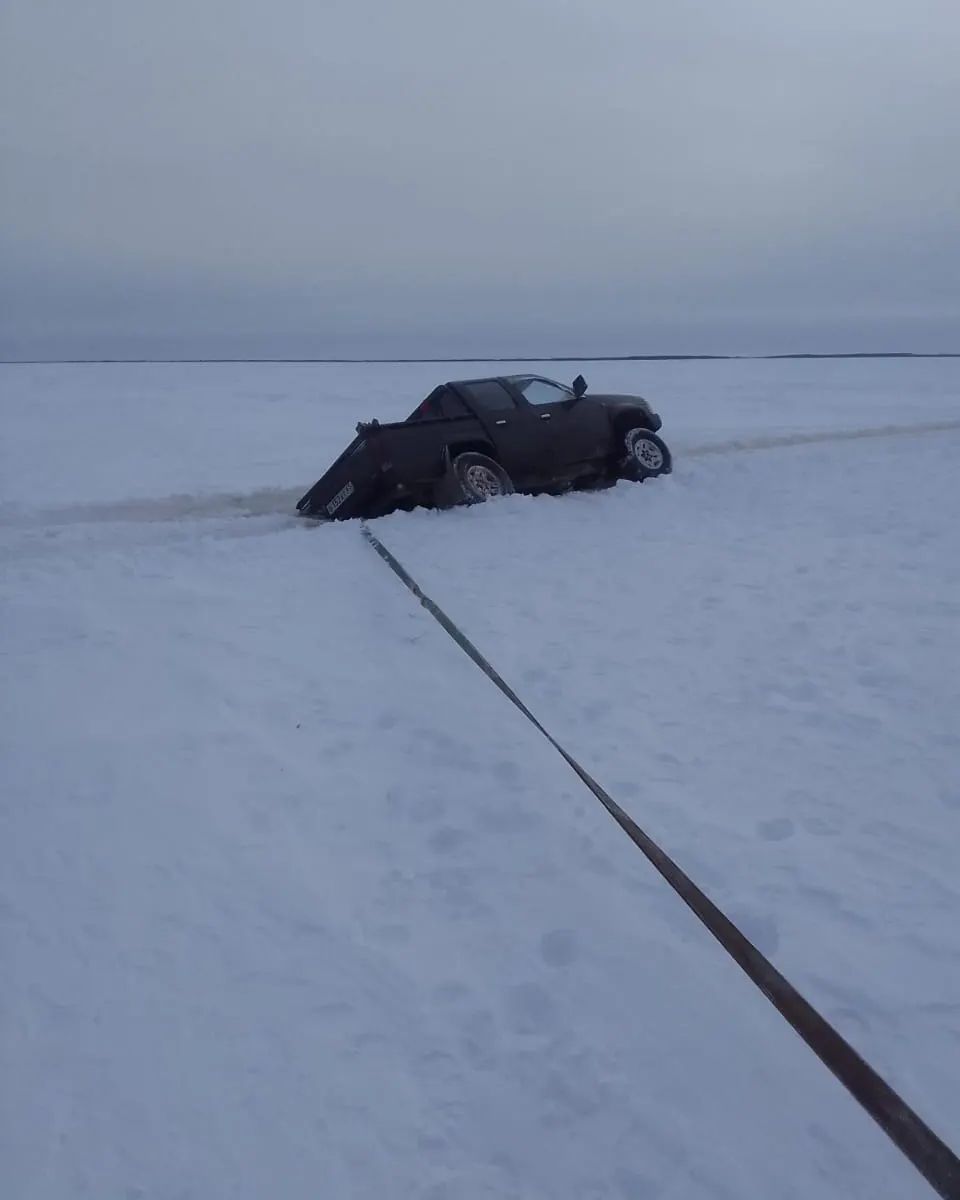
(474, 478)
(645, 455)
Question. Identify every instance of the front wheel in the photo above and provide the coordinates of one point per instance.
(645, 455)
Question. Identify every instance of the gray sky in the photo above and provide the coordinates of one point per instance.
(322, 177)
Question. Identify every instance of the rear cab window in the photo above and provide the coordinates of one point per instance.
(488, 396)
(452, 406)
(442, 402)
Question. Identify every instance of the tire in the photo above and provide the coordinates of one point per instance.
(645, 455)
(475, 478)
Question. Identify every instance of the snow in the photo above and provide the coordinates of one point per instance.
(207, 438)
(293, 903)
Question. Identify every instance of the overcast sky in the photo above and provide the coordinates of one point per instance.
(323, 177)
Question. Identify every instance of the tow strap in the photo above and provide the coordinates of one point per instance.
(933, 1158)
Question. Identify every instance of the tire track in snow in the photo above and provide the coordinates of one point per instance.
(271, 501)
(261, 502)
(775, 441)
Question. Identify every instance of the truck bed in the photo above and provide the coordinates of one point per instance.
(385, 466)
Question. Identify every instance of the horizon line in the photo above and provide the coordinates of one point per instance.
(500, 358)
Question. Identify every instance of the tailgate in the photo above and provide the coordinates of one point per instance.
(347, 488)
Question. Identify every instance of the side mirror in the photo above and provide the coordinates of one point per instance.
(579, 386)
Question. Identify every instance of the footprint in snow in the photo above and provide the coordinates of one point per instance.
(446, 840)
(451, 992)
(777, 829)
(479, 1040)
(819, 827)
(632, 1185)
(558, 947)
(506, 771)
(529, 1008)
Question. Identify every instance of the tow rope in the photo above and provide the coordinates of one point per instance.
(932, 1157)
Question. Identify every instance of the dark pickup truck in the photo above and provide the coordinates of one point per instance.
(478, 438)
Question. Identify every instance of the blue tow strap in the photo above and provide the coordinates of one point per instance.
(935, 1161)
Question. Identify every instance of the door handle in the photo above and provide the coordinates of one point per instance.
(545, 416)
(499, 422)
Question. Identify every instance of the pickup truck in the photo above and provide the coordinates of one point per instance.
(477, 438)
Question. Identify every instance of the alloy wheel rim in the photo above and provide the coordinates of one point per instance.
(647, 453)
(483, 482)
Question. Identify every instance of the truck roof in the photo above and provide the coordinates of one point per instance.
(499, 379)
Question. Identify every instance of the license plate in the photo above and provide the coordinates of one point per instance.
(344, 494)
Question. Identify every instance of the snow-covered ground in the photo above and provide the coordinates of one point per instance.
(193, 439)
(293, 903)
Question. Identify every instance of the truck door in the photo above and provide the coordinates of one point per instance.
(579, 430)
(522, 441)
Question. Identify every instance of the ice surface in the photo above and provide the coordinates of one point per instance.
(293, 904)
(225, 433)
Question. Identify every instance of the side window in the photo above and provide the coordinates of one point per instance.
(541, 391)
(452, 406)
(490, 395)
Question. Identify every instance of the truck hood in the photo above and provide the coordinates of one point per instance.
(609, 400)
(615, 403)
